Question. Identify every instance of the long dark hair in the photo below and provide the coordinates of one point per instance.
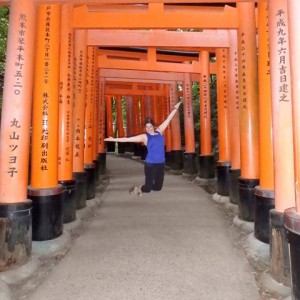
(149, 120)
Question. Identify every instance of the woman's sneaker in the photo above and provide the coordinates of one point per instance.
(136, 191)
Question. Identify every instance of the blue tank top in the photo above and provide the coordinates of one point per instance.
(156, 148)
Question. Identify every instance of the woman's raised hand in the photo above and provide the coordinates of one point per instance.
(177, 104)
(109, 139)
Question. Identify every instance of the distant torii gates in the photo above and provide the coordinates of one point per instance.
(265, 109)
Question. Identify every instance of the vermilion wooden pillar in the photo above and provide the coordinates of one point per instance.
(89, 164)
(292, 215)
(45, 192)
(166, 109)
(224, 163)
(190, 158)
(96, 119)
(247, 54)
(282, 131)
(80, 57)
(15, 208)
(206, 160)
(234, 120)
(120, 125)
(65, 137)
(129, 122)
(264, 193)
(102, 126)
(176, 148)
(109, 122)
(136, 125)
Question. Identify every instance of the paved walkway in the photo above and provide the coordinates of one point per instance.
(170, 245)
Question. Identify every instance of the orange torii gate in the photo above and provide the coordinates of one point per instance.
(15, 121)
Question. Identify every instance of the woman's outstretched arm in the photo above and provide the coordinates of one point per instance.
(141, 138)
(166, 122)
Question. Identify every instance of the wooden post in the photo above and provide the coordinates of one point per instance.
(177, 153)
(65, 137)
(282, 131)
(44, 191)
(80, 57)
(224, 163)
(264, 193)
(292, 215)
(190, 165)
(206, 160)
(109, 122)
(234, 120)
(247, 53)
(15, 136)
(89, 164)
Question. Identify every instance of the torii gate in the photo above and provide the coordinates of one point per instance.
(16, 119)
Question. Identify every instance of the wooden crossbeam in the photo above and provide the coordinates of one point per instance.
(158, 38)
(157, 16)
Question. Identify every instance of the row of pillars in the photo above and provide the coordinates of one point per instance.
(53, 112)
(257, 92)
(59, 83)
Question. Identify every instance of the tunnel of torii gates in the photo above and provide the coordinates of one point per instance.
(66, 62)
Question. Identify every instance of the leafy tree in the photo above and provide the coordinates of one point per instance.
(4, 13)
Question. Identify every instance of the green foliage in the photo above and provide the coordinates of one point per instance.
(4, 13)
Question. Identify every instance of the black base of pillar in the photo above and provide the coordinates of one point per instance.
(264, 202)
(121, 148)
(246, 200)
(68, 200)
(144, 152)
(129, 147)
(292, 224)
(97, 177)
(110, 146)
(15, 237)
(91, 180)
(223, 178)
(234, 175)
(190, 163)
(177, 160)
(206, 166)
(279, 249)
(168, 157)
(47, 213)
(137, 150)
(80, 189)
(102, 163)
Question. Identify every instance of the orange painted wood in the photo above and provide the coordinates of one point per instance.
(266, 167)
(106, 63)
(205, 111)
(155, 15)
(166, 112)
(234, 106)
(282, 126)
(248, 92)
(129, 116)
(65, 136)
(175, 122)
(17, 103)
(223, 104)
(96, 109)
(158, 38)
(188, 115)
(294, 30)
(120, 125)
(136, 115)
(102, 123)
(109, 118)
(80, 58)
(45, 98)
(89, 106)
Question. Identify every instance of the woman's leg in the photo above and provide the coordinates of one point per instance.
(148, 170)
(159, 177)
